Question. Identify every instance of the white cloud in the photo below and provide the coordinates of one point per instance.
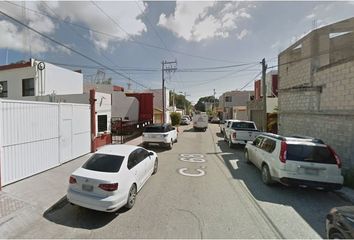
(242, 34)
(21, 39)
(196, 21)
(85, 13)
(311, 16)
(12, 37)
(125, 22)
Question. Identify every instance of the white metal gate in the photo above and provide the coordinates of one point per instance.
(36, 136)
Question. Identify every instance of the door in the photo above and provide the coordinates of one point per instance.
(136, 166)
(66, 140)
(256, 154)
(144, 164)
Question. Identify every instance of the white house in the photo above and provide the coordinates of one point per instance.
(36, 78)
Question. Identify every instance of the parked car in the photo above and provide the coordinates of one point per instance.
(185, 120)
(240, 132)
(200, 121)
(340, 223)
(215, 120)
(223, 125)
(160, 134)
(295, 161)
(111, 177)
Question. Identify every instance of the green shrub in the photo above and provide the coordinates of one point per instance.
(349, 178)
(175, 118)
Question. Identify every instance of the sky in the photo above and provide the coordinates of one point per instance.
(217, 44)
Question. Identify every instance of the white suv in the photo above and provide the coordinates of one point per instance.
(297, 160)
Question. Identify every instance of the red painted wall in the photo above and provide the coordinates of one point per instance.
(257, 89)
(146, 105)
(275, 84)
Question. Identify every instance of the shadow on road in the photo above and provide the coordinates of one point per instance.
(311, 204)
(63, 213)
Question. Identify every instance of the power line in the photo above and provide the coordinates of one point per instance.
(253, 79)
(226, 75)
(73, 30)
(183, 70)
(69, 48)
(155, 31)
(131, 40)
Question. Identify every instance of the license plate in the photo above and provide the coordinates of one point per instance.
(311, 171)
(87, 188)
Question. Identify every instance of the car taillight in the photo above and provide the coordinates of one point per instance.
(339, 162)
(283, 151)
(234, 135)
(108, 186)
(72, 180)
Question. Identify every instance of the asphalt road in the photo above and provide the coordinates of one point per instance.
(214, 194)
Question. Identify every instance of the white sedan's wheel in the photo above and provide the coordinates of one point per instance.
(131, 197)
(156, 165)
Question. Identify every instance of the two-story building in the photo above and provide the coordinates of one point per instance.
(255, 109)
(234, 104)
(36, 78)
(316, 88)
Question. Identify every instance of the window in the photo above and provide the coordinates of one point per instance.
(3, 88)
(133, 159)
(228, 99)
(258, 141)
(28, 87)
(102, 123)
(104, 163)
(268, 145)
(309, 153)
(141, 155)
(155, 129)
(242, 125)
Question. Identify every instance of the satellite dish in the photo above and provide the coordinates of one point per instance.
(41, 66)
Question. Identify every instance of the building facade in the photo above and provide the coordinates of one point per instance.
(316, 88)
(36, 78)
(230, 101)
(255, 106)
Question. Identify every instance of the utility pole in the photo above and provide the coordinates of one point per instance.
(170, 67)
(213, 108)
(264, 90)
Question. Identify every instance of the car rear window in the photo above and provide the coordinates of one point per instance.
(104, 163)
(242, 125)
(155, 129)
(307, 153)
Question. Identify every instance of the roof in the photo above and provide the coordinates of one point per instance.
(15, 65)
(117, 149)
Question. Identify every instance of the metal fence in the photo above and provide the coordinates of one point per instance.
(124, 131)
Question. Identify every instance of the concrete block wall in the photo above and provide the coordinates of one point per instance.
(335, 130)
(338, 87)
(299, 101)
(296, 73)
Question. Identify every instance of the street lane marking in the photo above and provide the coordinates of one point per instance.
(234, 164)
(183, 172)
(192, 158)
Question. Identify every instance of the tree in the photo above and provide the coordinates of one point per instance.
(175, 118)
(180, 101)
(200, 106)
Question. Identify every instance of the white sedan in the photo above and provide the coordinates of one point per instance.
(111, 177)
